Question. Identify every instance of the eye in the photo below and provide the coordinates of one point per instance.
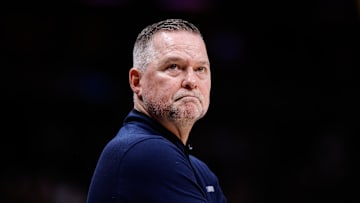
(173, 69)
(201, 69)
(173, 66)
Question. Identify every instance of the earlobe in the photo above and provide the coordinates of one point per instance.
(134, 80)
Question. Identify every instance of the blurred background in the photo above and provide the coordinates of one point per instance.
(284, 111)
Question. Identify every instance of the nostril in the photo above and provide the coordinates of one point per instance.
(188, 84)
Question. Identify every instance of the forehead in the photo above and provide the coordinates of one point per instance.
(168, 38)
(185, 41)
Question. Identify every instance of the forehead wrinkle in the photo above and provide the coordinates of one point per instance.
(171, 47)
(175, 59)
(191, 50)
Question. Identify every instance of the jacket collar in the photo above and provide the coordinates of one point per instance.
(153, 127)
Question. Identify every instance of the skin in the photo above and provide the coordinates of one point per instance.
(175, 87)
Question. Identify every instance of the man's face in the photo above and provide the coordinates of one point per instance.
(176, 84)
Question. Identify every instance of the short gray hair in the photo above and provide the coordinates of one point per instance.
(142, 53)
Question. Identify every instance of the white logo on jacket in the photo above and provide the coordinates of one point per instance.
(210, 188)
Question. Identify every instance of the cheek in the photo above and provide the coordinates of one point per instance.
(159, 88)
(205, 89)
(157, 85)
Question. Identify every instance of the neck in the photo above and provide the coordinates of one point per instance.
(180, 128)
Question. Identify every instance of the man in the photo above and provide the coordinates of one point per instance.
(148, 161)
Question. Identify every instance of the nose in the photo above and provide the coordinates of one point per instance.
(190, 80)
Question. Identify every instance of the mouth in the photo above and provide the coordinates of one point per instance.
(187, 98)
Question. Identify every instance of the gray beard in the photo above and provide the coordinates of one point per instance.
(169, 113)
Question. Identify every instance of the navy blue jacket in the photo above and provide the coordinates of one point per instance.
(146, 163)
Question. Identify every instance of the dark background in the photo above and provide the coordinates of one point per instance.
(283, 119)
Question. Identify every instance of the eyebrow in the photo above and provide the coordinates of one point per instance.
(176, 59)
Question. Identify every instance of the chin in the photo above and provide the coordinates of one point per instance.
(193, 114)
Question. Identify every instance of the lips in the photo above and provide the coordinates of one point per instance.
(182, 96)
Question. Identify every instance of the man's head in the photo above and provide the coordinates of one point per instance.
(143, 52)
(171, 77)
